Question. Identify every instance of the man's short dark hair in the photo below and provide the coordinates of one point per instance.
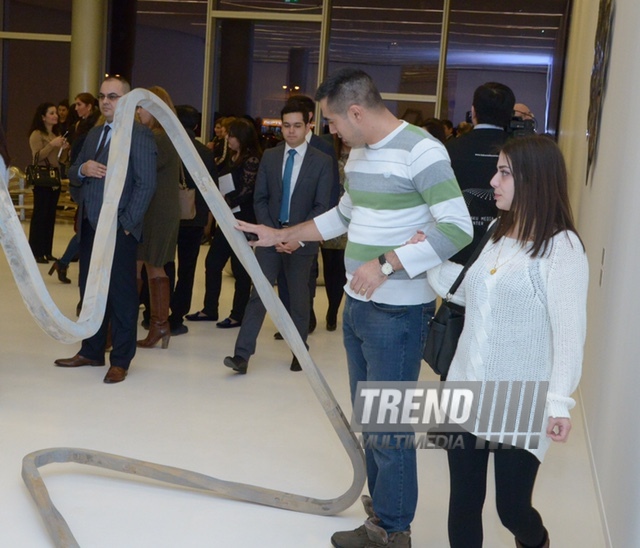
(349, 86)
(305, 101)
(189, 116)
(493, 104)
(296, 106)
(447, 123)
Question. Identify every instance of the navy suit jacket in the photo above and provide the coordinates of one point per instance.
(311, 194)
(327, 147)
(139, 186)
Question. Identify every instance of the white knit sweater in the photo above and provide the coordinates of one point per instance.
(526, 322)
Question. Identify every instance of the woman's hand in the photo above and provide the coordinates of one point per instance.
(417, 238)
(59, 142)
(558, 428)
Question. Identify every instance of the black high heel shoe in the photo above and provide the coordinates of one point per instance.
(61, 270)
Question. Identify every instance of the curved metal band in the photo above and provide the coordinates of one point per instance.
(53, 322)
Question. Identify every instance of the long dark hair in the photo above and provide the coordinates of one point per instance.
(37, 124)
(245, 132)
(540, 208)
(4, 151)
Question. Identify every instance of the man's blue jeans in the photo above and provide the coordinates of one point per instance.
(384, 343)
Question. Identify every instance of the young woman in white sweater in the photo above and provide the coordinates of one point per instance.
(525, 299)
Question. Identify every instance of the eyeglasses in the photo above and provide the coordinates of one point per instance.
(110, 96)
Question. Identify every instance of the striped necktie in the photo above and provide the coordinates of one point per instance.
(103, 140)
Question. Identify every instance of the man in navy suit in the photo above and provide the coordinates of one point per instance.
(309, 175)
(87, 178)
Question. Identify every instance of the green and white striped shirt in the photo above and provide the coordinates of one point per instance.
(394, 188)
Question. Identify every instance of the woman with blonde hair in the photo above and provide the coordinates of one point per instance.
(160, 228)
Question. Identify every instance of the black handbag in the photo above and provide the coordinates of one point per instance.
(445, 327)
(46, 176)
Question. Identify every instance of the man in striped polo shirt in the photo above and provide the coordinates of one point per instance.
(398, 181)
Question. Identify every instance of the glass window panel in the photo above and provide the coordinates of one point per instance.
(284, 55)
(178, 16)
(520, 44)
(400, 38)
(307, 7)
(411, 111)
(49, 17)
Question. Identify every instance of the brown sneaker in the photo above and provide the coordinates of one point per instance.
(371, 535)
(378, 537)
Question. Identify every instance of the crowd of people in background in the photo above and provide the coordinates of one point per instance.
(338, 190)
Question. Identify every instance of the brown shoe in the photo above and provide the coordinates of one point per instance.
(115, 374)
(77, 361)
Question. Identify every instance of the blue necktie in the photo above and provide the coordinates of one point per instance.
(286, 187)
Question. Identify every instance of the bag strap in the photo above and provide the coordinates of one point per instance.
(36, 160)
(183, 181)
(472, 259)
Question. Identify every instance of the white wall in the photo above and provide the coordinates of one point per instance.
(609, 222)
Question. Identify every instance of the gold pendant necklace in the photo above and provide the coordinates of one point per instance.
(496, 265)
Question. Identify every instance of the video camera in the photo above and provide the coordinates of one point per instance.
(518, 127)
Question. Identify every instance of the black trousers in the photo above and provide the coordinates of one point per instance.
(43, 220)
(122, 299)
(334, 280)
(219, 253)
(189, 240)
(515, 475)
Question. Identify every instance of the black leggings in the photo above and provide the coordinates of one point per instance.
(515, 475)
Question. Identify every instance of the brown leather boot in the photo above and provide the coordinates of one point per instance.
(159, 297)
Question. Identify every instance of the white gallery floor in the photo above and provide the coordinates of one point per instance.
(182, 407)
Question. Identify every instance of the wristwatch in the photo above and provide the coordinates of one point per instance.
(385, 266)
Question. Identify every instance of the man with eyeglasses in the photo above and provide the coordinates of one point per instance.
(87, 179)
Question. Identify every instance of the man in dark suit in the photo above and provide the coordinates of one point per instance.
(87, 178)
(293, 185)
(326, 146)
(475, 154)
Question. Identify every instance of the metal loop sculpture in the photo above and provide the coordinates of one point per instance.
(53, 322)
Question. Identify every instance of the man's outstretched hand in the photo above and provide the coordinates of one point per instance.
(260, 235)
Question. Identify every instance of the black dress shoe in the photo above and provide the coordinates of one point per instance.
(77, 361)
(41, 260)
(228, 323)
(179, 330)
(278, 336)
(331, 326)
(201, 317)
(50, 258)
(115, 374)
(237, 363)
(295, 365)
